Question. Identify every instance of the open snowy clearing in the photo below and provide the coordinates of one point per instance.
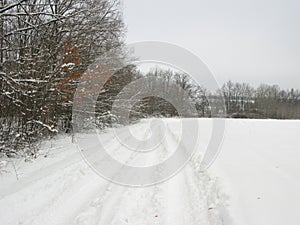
(255, 180)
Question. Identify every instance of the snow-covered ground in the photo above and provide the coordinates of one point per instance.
(255, 180)
(259, 167)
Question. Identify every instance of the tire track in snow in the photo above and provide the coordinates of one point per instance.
(182, 201)
(127, 204)
(100, 210)
(203, 192)
(92, 213)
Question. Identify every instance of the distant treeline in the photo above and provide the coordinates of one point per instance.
(234, 100)
(266, 101)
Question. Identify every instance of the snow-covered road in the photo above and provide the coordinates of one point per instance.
(67, 191)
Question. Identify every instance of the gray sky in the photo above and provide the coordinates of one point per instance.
(254, 41)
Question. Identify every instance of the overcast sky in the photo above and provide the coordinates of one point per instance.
(254, 41)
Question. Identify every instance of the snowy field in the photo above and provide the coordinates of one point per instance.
(255, 180)
(259, 168)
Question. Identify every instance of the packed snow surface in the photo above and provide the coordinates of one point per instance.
(255, 180)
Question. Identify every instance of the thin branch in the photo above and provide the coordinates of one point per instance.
(11, 6)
